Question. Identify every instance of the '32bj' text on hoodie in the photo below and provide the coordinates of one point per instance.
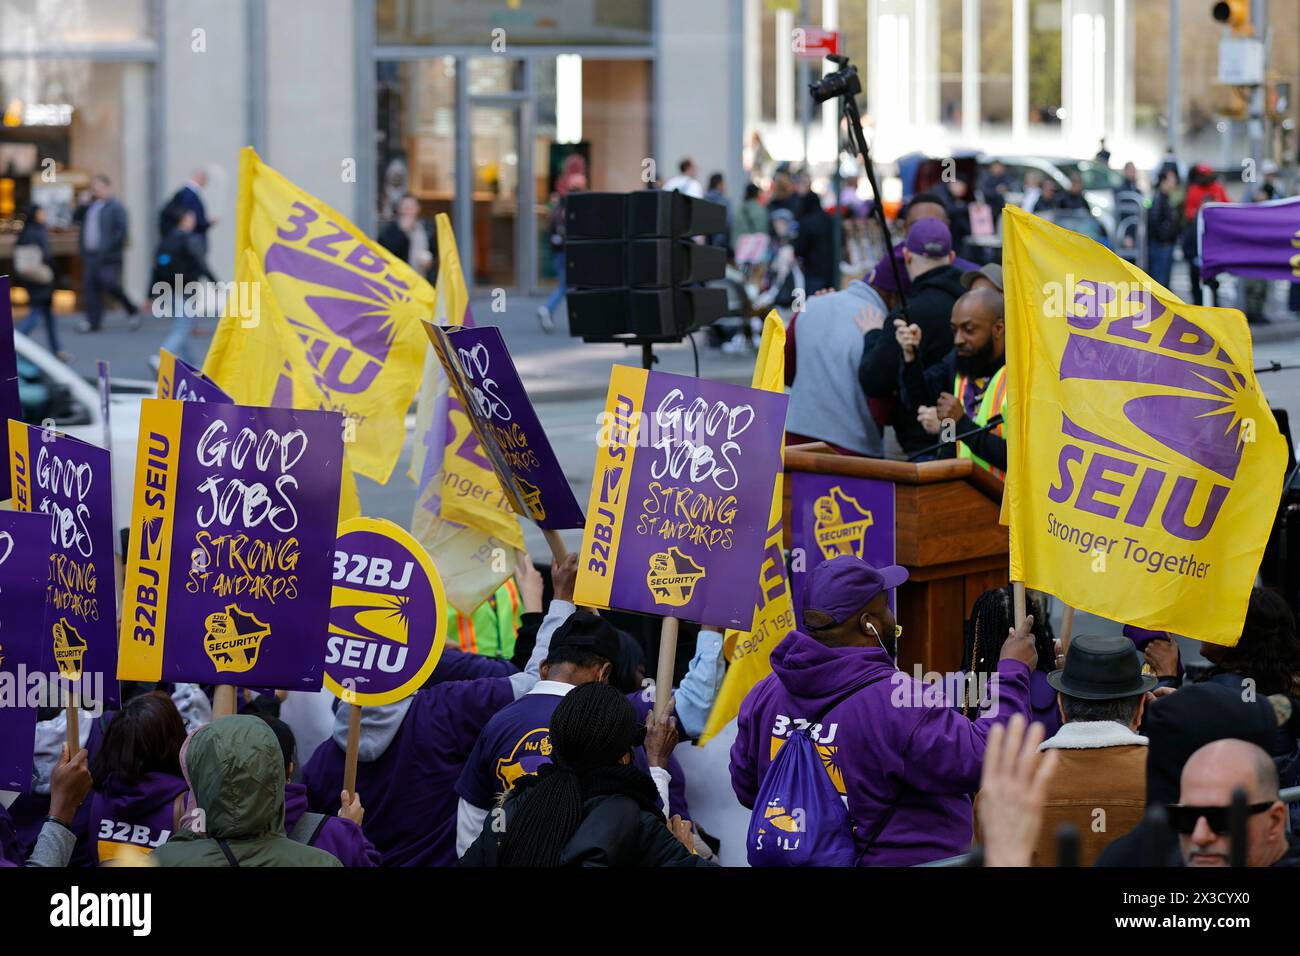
(906, 769)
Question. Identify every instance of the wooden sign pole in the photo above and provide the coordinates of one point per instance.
(223, 701)
(1018, 599)
(74, 722)
(558, 551)
(354, 744)
(1067, 628)
(667, 663)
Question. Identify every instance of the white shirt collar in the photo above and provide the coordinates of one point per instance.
(557, 688)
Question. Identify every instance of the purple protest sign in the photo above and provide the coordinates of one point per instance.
(179, 380)
(1254, 240)
(388, 614)
(681, 497)
(58, 475)
(480, 368)
(832, 515)
(24, 572)
(232, 542)
(10, 405)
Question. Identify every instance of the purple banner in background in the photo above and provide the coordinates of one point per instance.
(57, 475)
(832, 515)
(1253, 240)
(24, 563)
(10, 405)
(479, 366)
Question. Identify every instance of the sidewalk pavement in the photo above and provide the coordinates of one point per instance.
(554, 367)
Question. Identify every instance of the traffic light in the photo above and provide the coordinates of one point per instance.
(634, 273)
(1236, 14)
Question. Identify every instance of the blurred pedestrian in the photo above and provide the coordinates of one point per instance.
(717, 192)
(104, 231)
(1162, 228)
(190, 196)
(34, 271)
(685, 181)
(410, 237)
(179, 263)
(814, 244)
(1203, 186)
(575, 183)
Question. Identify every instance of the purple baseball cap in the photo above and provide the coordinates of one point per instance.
(929, 238)
(881, 276)
(1141, 637)
(843, 585)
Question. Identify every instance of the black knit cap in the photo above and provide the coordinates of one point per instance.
(587, 632)
(593, 727)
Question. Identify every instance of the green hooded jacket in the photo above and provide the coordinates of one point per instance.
(236, 772)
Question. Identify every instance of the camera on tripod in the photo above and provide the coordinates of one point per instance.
(843, 82)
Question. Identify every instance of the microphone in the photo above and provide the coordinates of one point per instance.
(991, 424)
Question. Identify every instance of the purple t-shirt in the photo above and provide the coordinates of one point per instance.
(409, 791)
(517, 741)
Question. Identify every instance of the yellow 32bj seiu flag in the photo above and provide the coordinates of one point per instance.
(352, 308)
(462, 516)
(749, 654)
(1144, 465)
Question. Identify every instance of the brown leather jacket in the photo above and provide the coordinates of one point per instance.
(1100, 787)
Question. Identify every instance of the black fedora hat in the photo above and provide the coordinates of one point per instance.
(1102, 667)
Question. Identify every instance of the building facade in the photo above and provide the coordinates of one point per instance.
(473, 106)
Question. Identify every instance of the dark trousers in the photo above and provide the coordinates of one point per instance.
(39, 313)
(102, 277)
(1160, 262)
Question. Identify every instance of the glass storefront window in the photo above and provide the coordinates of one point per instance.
(536, 22)
(27, 25)
(995, 63)
(495, 74)
(1045, 62)
(74, 118)
(950, 59)
(417, 134)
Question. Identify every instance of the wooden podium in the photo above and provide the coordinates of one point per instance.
(946, 534)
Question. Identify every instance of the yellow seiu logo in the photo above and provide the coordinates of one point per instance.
(369, 614)
(529, 754)
(233, 639)
(840, 524)
(672, 577)
(69, 649)
(532, 499)
(779, 817)
(826, 752)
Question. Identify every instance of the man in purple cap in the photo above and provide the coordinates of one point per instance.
(936, 286)
(904, 764)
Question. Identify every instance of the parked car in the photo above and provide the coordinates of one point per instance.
(1100, 182)
(53, 393)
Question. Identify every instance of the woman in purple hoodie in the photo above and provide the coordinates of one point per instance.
(137, 779)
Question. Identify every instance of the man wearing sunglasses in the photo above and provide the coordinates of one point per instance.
(1200, 818)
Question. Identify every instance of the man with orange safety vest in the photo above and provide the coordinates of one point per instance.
(490, 630)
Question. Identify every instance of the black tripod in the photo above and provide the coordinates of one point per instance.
(844, 83)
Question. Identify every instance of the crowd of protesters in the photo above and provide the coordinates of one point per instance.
(540, 746)
(555, 758)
